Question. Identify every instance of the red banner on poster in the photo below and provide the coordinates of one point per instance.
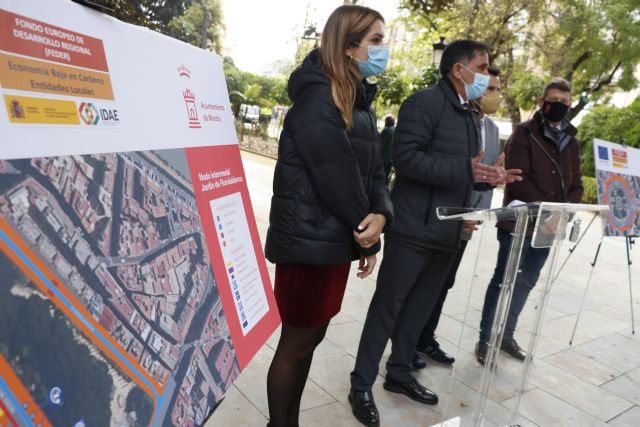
(30, 37)
(234, 244)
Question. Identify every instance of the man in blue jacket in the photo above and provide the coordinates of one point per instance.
(436, 155)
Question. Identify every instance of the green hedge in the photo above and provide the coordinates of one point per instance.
(590, 190)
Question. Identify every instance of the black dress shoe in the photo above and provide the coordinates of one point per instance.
(481, 352)
(413, 389)
(418, 362)
(436, 353)
(364, 408)
(511, 347)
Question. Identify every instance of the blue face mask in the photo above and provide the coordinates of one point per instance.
(377, 62)
(479, 85)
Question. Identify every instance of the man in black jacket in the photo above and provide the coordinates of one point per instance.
(386, 137)
(436, 155)
(546, 149)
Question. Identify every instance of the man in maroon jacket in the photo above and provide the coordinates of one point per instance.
(547, 152)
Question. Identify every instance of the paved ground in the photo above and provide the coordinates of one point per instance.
(594, 382)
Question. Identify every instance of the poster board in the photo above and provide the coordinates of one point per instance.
(618, 180)
(134, 285)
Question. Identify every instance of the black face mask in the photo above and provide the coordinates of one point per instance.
(554, 111)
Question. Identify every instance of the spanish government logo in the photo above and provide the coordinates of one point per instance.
(620, 159)
(17, 112)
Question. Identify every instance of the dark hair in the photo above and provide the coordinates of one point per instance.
(463, 51)
(389, 121)
(557, 83)
(494, 71)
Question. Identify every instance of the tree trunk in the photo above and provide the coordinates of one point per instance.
(573, 112)
(505, 80)
(205, 25)
(472, 18)
(514, 110)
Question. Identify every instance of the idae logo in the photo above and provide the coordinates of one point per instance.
(89, 113)
(93, 115)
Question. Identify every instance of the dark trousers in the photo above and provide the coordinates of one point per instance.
(531, 263)
(408, 286)
(427, 337)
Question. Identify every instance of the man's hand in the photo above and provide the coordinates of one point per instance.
(510, 175)
(551, 223)
(484, 173)
(493, 175)
(469, 226)
(366, 265)
(372, 226)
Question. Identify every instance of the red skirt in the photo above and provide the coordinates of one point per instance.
(310, 295)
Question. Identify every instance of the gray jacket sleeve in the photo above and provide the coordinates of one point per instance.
(482, 199)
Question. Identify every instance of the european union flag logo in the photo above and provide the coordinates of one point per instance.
(603, 153)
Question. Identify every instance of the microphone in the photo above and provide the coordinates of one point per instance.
(563, 189)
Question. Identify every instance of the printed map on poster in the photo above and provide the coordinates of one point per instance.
(618, 179)
(117, 305)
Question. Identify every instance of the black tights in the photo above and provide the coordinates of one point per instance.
(289, 371)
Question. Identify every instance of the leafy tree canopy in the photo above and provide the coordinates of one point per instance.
(198, 22)
(591, 43)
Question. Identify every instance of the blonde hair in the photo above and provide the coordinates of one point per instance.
(345, 28)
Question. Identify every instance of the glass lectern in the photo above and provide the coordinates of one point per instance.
(550, 224)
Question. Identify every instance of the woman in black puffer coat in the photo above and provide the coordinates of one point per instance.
(330, 201)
